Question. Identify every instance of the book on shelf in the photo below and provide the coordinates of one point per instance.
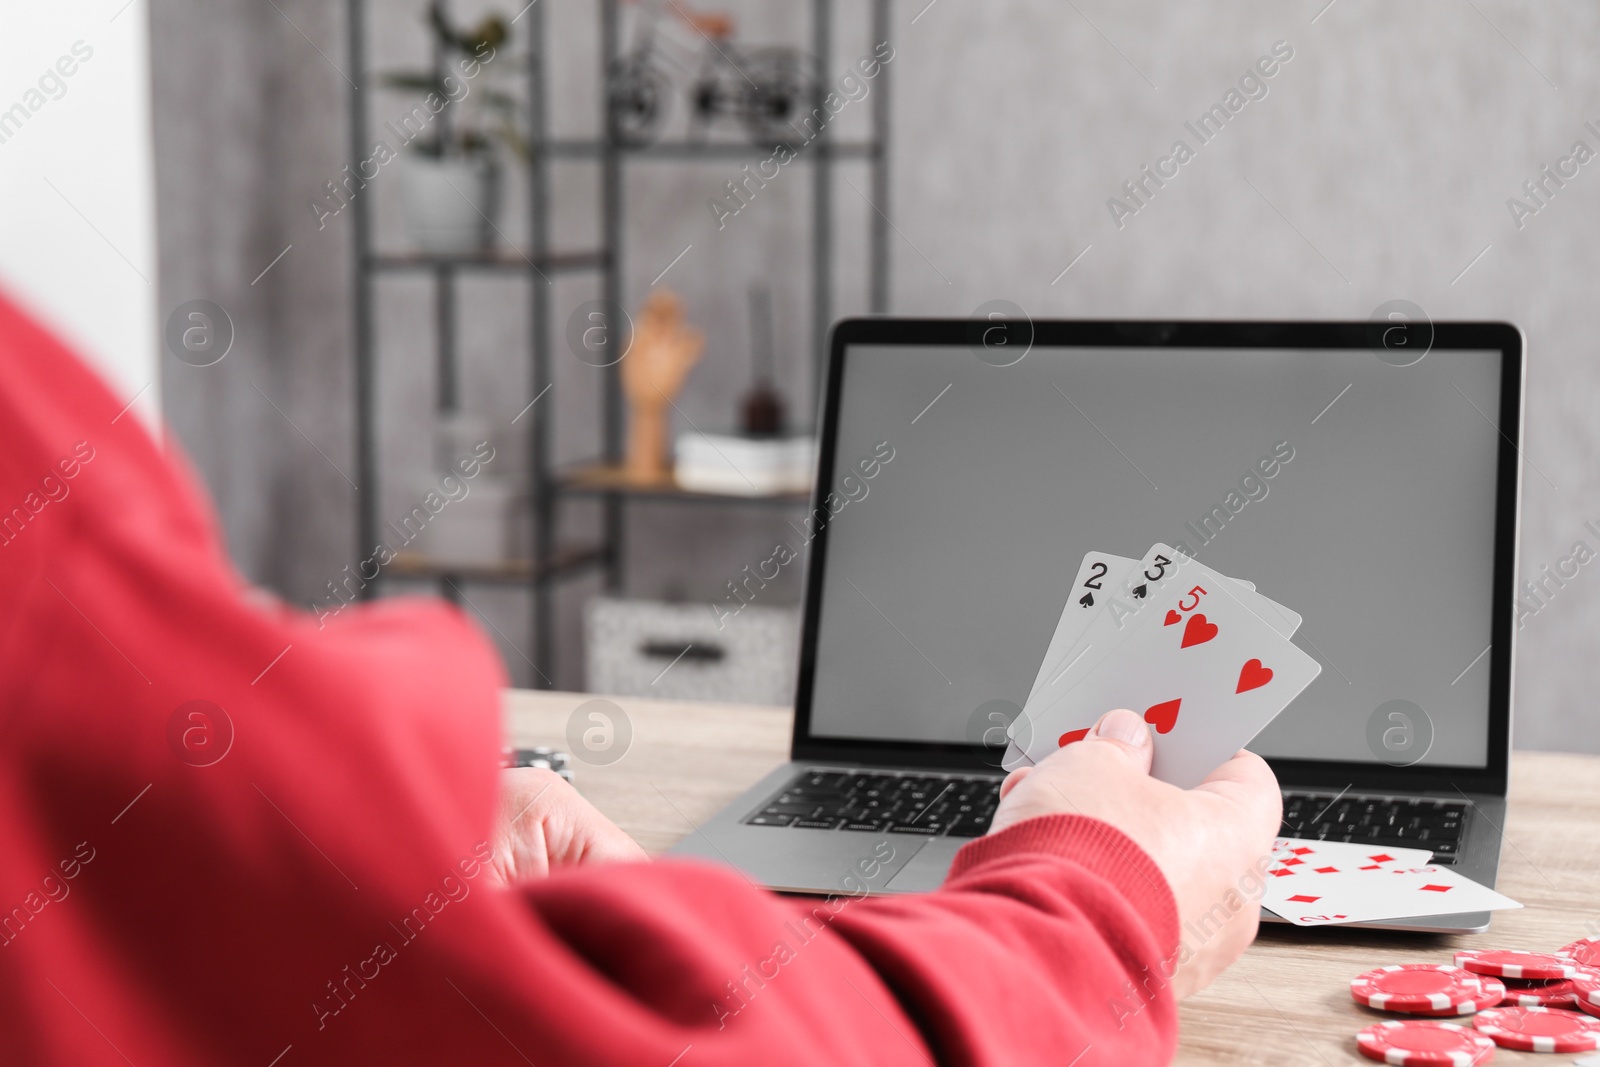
(738, 465)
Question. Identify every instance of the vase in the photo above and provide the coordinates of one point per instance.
(450, 202)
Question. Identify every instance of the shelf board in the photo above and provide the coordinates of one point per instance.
(580, 149)
(603, 479)
(516, 571)
(494, 260)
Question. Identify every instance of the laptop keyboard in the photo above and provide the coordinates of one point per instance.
(903, 803)
(937, 805)
(1388, 822)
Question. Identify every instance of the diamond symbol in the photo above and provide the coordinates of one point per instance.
(1372, 867)
(1302, 850)
(1436, 888)
(1327, 870)
(1382, 857)
(1292, 862)
(1303, 899)
(1281, 872)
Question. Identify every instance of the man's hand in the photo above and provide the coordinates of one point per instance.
(543, 824)
(1207, 841)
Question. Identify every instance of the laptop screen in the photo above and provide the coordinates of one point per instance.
(947, 569)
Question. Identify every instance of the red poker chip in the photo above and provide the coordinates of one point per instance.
(1586, 989)
(1414, 1043)
(1539, 1029)
(1509, 964)
(1447, 1013)
(1586, 952)
(1551, 993)
(1426, 989)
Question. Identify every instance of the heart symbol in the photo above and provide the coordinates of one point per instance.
(1253, 676)
(1163, 716)
(1087, 600)
(1172, 617)
(1072, 735)
(1198, 632)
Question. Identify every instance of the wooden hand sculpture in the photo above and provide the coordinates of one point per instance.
(663, 351)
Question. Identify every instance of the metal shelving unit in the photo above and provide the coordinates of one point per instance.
(604, 479)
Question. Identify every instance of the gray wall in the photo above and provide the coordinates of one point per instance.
(1376, 167)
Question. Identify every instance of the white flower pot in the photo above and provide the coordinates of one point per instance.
(450, 203)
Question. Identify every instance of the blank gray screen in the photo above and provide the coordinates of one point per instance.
(944, 582)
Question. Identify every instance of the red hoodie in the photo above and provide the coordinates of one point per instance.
(290, 871)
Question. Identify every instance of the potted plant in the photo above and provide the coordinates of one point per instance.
(450, 172)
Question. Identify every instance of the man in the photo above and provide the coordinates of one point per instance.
(234, 833)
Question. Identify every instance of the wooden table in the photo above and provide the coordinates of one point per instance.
(1286, 1002)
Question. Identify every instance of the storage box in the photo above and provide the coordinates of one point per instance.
(637, 648)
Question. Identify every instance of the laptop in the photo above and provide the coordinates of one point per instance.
(965, 467)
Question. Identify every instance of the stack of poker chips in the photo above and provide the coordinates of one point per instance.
(1529, 1001)
(547, 758)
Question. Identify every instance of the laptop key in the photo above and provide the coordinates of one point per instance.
(870, 825)
(770, 820)
(818, 824)
(805, 810)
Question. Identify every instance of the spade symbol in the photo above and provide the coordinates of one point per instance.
(1087, 600)
(1140, 592)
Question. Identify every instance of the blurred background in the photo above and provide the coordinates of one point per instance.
(386, 311)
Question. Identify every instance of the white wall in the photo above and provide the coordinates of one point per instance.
(77, 230)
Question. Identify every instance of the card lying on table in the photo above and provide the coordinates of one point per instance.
(1298, 857)
(1301, 870)
(1378, 891)
(1205, 660)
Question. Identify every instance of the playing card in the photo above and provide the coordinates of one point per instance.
(1202, 667)
(1299, 855)
(1388, 892)
(1098, 575)
(1300, 868)
(1112, 622)
(1117, 611)
(1015, 756)
(1280, 618)
(1277, 616)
